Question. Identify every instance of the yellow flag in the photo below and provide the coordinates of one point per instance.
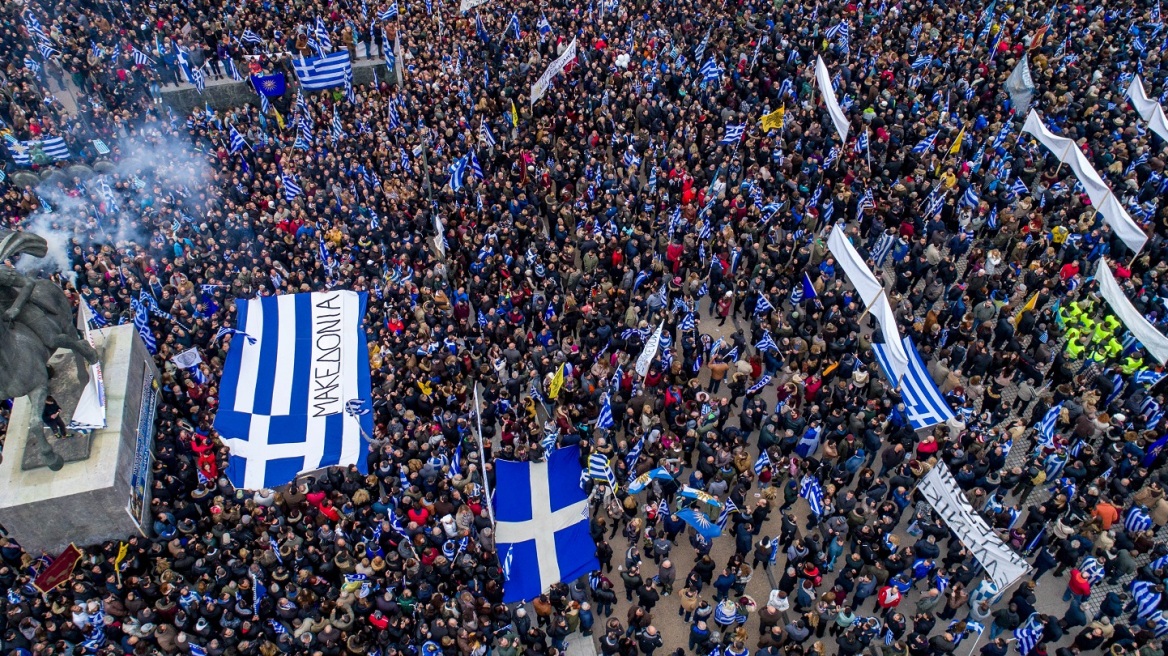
(123, 551)
(514, 115)
(1029, 307)
(279, 119)
(956, 147)
(774, 120)
(557, 383)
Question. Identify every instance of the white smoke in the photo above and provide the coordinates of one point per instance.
(156, 158)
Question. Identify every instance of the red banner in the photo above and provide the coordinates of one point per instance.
(58, 571)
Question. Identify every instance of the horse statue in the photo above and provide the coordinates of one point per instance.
(37, 319)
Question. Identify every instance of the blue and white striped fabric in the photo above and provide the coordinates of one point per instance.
(811, 490)
(764, 460)
(1137, 519)
(53, 147)
(605, 421)
(733, 134)
(542, 521)
(1146, 598)
(283, 397)
(1046, 427)
(1029, 634)
(142, 325)
(1148, 377)
(1092, 570)
(882, 248)
(317, 73)
(599, 469)
(923, 401)
(729, 509)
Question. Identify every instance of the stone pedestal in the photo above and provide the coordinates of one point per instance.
(106, 495)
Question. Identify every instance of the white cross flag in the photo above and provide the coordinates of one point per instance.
(542, 523)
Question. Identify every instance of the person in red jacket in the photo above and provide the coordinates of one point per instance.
(888, 597)
(1078, 587)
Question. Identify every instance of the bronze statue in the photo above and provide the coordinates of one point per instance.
(37, 320)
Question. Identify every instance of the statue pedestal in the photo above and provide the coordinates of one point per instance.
(106, 495)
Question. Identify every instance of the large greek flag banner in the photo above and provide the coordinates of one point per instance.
(326, 72)
(287, 383)
(923, 401)
(541, 517)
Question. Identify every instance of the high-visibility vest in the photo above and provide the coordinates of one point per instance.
(1132, 364)
(1114, 347)
(1101, 333)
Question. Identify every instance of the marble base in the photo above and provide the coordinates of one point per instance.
(106, 495)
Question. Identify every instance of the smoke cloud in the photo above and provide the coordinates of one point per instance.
(155, 179)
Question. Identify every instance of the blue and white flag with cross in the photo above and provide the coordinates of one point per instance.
(541, 519)
(292, 395)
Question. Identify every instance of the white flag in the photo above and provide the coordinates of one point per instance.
(650, 351)
(1020, 86)
(833, 108)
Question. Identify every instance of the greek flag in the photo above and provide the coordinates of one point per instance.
(764, 460)
(808, 444)
(95, 636)
(1092, 570)
(291, 189)
(1046, 427)
(710, 71)
(237, 141)
(605, 421)
(763, 305)
(633, 456)
(486, 135)
(284, 396)
(1029, 634)
(862, 142)
(923, 401)
(458, 173)
(1137, 520)
(326, 72)
(388, 14)
(926, 144)
(1146, 598)
(53, 147)
(727, 510)
(142, 324)
(811, 490)
(767, 343)
(882, 248)
(1019, 187)
(969, 198)
(198, 79)
(542, 520)
(924, 61)
(599, 469)
(733, 134)
(1148, 377)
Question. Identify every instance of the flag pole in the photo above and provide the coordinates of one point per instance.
(874, 301)
(868, 150)
(483, 455)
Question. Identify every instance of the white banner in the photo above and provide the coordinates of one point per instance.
(1002, 564)
(1153, 340)
(649, 351)
(90, 411)
(837, 115)
(541, 85)
(870, 290)
(467, 5)
(1105, 202)
(187, 359)
(1149, 109)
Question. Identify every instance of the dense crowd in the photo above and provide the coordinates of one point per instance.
(611, 205)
